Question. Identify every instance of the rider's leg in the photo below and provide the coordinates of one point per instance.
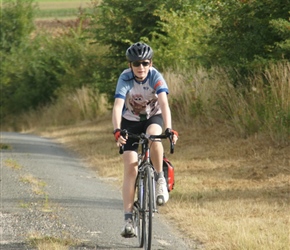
(130, 173)
(157, 152)
(130, 159)
(156, 147)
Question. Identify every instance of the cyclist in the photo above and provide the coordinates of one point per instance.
(141, 105)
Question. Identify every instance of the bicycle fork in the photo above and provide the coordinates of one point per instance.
(141, 189)
(152, 175)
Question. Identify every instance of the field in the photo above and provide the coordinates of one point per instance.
(60, 9)
(56, 16)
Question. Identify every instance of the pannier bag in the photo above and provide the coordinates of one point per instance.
(168, 170)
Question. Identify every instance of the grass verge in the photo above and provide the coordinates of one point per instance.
(230, 192)
(50, 243)
(12, 164)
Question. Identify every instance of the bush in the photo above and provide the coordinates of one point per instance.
(69, 108)
(249, 33)
(63, 62)
(16, 22)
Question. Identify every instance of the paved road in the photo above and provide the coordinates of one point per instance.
(48, 192)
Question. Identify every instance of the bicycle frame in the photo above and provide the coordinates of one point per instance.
(142, 171)
(145, 205)
(144, 157)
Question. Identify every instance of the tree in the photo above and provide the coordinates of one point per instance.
(35, 69)
(244, 34)
(183, 40)
(282, 28)
(117, 24)
(16, 22)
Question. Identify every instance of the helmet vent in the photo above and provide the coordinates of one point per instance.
(139, 51)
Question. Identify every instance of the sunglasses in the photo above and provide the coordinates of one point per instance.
(137, 64)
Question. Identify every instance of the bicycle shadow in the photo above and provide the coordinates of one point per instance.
(103, 246)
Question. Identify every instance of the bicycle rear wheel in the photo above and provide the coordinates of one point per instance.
(148, 208)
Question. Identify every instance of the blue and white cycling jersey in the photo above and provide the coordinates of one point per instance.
(141, 100)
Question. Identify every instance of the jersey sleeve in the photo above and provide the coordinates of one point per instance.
(158, 83)
(122, 85)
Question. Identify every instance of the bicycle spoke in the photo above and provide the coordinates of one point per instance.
(148, 205)
(138, 223)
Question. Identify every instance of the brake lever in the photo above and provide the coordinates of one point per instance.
(121, 150)
(171, 144)
(123, 133)
(169, 134)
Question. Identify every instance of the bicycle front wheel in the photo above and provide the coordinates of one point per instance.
(137, 217)
(148, 208)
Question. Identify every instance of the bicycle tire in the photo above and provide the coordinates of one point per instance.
(148, 208)
(137, 218)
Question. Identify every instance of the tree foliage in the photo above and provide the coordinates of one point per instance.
(118, 24)
(282, 28)
(249, 32)
(35, 69)
(182, 37)
(240, 34)
(16, 23)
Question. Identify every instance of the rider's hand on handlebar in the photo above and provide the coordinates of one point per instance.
(120, 139)
(174, 134)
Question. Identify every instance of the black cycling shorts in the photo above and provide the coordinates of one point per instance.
(138, 128)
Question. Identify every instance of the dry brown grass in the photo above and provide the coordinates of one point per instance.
(12, 164)
(209, 96)
(230, 193)
(50, 243)
(36, 184)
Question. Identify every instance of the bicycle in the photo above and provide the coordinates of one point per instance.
(145, 202)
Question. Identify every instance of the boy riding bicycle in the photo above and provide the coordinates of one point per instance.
(141, 106)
